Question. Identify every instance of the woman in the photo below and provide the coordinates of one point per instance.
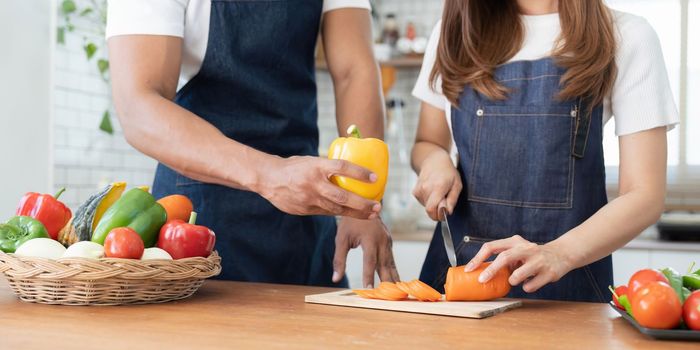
(222, 93)
(522, 90)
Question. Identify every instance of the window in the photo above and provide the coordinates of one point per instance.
(677, 23)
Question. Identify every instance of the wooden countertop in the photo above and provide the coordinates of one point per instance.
(263, 316)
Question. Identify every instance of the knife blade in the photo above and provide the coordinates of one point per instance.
(447, 238)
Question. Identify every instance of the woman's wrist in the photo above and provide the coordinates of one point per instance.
(569, 252)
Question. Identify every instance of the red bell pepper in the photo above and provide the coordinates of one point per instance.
(184, 240)
(47, 209)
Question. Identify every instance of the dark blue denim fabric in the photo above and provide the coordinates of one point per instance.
(257, 85)
(531, 165)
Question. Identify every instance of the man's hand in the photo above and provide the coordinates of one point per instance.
(302, 186)
(377, 256)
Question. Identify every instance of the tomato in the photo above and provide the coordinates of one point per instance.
(656, 305)
(123, 242)
(691, 311)
(642, 277)
(619, 291)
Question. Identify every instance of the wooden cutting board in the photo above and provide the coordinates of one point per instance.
(469, 309)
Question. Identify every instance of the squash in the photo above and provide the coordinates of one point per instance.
(89, 214)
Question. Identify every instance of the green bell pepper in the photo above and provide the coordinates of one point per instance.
(625, 302)
(691, 281)
(18, 230)
(136, 209)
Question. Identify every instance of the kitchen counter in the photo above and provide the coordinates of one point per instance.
(246, 315)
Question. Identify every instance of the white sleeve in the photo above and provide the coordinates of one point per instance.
(329, 5)
(423, 89)
(154, 17)
(641, 97)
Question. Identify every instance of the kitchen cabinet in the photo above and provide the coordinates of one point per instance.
(264, 316)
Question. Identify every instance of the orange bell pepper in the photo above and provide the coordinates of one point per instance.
(369, 153)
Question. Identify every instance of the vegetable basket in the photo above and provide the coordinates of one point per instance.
(106, 281)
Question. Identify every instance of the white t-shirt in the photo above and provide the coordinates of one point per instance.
(187, 19)
(641, 96)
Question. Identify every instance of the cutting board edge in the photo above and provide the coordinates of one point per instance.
(321, 300)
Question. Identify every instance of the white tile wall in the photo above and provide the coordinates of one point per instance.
(86, 158)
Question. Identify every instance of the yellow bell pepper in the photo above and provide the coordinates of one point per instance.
(369, 153)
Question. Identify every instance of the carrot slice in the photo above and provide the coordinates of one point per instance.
(391, 291)
(364, 293)
(385, 294)
(403, 287)
(423, 292)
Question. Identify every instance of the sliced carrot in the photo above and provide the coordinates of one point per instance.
(403, 287)
(391, 291)
(423, 292)
(385, 294)
(364, 293)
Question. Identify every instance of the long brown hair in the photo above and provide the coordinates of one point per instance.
(479, 35)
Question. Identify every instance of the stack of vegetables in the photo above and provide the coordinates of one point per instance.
(112, 223)
(662, 299)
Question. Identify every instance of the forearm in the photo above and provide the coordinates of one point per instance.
(423, 150)
(359, 100)
(186, 143)
(611, 227)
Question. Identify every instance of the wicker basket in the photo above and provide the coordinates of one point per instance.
(107, 281)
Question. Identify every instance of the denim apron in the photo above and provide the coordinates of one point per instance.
(531, 165)
(257, 86)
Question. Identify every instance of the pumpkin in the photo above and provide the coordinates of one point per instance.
(88, 215)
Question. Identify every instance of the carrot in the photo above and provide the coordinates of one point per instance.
(403, 287)
(177, 206)
(391, 291)
(423, 292)
(400, 291)
(460, 285)
(364, 293)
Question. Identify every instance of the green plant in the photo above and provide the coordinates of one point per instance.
(93, 15)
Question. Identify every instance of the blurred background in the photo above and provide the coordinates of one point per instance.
(58, 127)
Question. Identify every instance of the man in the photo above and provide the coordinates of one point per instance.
(222, 93)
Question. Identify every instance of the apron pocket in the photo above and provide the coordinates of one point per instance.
(522, 156)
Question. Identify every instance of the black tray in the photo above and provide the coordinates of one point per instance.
(665, 334)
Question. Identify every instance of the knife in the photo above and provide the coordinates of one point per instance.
(447, 238)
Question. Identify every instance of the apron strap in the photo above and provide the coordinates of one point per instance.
(583, 126)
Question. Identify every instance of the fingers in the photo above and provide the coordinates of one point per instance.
(342, 246)
(488, 249)
(503, 260)
(369, 265)
(453, 195)
(348, 169)
(537, 282)
(387, 269)
(431, 205)
(527, 270)
(341, 202)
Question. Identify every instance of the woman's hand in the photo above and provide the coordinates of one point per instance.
(302, 186)
(375, 240)
(532, 264)
(438, 184)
